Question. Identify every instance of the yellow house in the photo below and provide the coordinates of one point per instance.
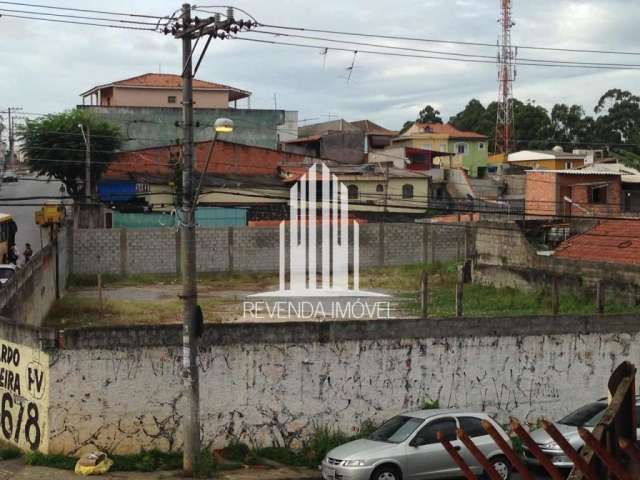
(555, 159)
(395, 191)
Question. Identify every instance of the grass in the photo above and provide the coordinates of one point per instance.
(8, 452)
(221, 297)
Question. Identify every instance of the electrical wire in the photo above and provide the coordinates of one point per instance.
(102, 12)
(124, 27)
(136, 22)
(428, 57)
(453, 42)
(438, 52)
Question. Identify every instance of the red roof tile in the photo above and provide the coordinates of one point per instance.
(613, 241)
(167, 80)
(447, 129)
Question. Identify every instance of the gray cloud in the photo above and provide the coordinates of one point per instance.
(45, 66)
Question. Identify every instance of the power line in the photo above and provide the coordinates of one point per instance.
(437, 52)
(119, 20)
(102, 12)
(429, 57)
(453, 42)
(79, 23)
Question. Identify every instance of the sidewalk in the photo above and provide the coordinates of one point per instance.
(17, 470)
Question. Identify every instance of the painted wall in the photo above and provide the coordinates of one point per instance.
(159, 97)
(149, 127)
(120, 389)
(550, 163)
(370, 199)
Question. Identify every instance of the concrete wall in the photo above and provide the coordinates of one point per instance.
(149, 127)
(27, 297)
(254, 249)
(505, 258)
(120, 389)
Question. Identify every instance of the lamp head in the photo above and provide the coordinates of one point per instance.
(223, 125)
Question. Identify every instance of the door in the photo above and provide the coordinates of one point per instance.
(472, 426)
(426, 457)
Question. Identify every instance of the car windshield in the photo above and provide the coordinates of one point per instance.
(6, 273)
(397, 429)
(587, 416)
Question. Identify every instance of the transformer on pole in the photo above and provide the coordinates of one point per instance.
(505, 133)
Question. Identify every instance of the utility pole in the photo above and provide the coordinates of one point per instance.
(87, 165)
(187, 29)
(11, 132)
(188, 263)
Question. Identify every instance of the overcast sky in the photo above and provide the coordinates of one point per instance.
(45, 66)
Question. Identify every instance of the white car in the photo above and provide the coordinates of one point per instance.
(7, 270)
(406, 447)
(9, 176)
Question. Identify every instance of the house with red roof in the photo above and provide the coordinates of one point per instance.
(469, 149)
(612, 241)
(161, 90)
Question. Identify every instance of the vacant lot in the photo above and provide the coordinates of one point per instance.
(152, 299)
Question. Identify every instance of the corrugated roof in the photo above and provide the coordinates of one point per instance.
(613, 241)
(167, 80)
(575, 172)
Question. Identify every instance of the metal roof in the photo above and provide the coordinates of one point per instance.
(575, 172)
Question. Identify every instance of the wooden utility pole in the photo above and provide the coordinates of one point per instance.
(555, 296)
(459, 292)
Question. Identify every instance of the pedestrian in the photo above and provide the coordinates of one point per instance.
(28, 252)
(13, 255)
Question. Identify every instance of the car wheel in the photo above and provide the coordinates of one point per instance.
(502, 466)
(386, 472)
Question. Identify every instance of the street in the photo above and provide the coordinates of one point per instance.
(28, 186)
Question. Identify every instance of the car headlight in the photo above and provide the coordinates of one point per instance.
(551, 446)
(353, 463)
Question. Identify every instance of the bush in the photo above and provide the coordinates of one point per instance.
(7, 452)
(236, 451)
(323, 439)
(207, 465)
(429, 404)
(147, 461)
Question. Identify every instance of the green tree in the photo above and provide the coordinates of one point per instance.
(54, 146)
(532, 125)
(429, 115)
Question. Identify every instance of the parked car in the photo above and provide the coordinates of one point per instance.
(406, 447)
(586, 416)
(9, 176)
(7, 271)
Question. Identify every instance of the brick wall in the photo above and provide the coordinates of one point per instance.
(254, 249)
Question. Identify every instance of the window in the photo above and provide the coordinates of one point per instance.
(443, 147)
(171, 99)
(481, 146)
(352, 191)
(429, 434)
(461, 148)
(568, 165)
(379, 188)
(599, 194)
(407, 191)
(472, 426)
(397, 429)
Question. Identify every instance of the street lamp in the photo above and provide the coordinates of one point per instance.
(221, 125)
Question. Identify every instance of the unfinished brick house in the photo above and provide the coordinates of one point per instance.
(578, 193)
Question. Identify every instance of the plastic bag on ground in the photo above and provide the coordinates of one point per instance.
(94, 463)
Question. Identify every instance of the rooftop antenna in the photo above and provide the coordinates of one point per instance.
(505, 134)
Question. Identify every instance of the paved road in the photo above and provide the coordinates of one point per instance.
(27, 186)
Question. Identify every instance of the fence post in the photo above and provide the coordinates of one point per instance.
(459, 290)
(424, 294)
(600, 296)
(555, 295)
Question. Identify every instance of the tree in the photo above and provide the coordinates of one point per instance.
(54, 146)
(532, 125)
(429, 115)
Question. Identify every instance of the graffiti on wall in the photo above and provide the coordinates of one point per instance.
(267, 393)
(23, 396)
